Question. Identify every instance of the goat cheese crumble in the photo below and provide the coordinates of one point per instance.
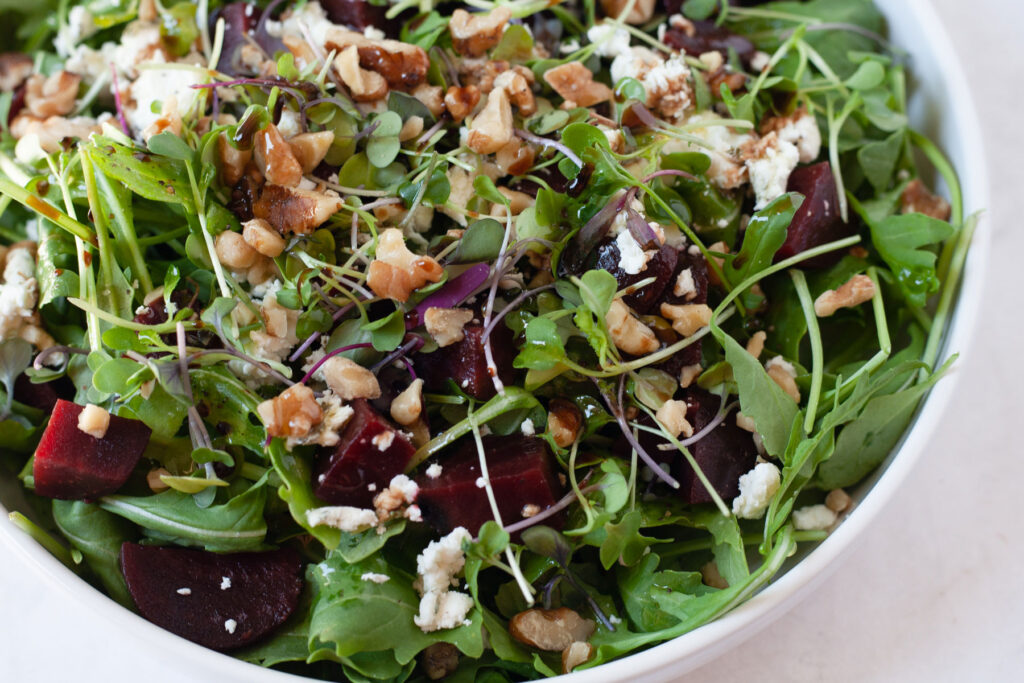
(437, 566)
(344, 517)
(756, 490)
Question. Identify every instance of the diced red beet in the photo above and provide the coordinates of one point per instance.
(707, 38)
(817, 221)
(661, 266)
(72, 465)
(222, 602)
(240, 20)
(364, 456)
(464, 362)
(42, 396)
(357, 14)
(521, 471)
(698, 266)
(723, 454)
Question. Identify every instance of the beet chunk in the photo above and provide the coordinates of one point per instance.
(357, 14)
(522, 473)
(240, 21)
(817, 221)
(72, 465)
(698, 266)
(464, 362)
(222, 602)
(723, 454)
(661, 266)
(365, 455)
(42, 396)
(709, 37)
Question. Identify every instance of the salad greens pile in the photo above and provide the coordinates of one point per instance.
(235, 213)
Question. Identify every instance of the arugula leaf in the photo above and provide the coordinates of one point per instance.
(765, 233)
(297, 490)
(900, 240)
(98, 535)
(636, 585)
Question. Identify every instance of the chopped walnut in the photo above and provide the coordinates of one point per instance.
(53, 96)
(530, 510)
(232, 161)
(169, 121)
(54, 131)
(755, 345)
(293, 413)
(439, 660)
(688, 318)
(492, 128)
(94, 421)
(474, 34)
(365, 86)
(853, 292)
(688, 374)
(411, 128)
(577, 653)
(461, 100)
(396, 271)
(517, 202)
(917, 198)
(672, 416)
(349, 380)
(518, 89)
(432, 97)
(153, 480)
(262, 237)
(408, 405)
(838, 500)
(233, 251)
(576, 84)
(552, 630)
(445, 324)
(403, 65)
(565, 422)
(515, 158)
(783, 373)
(641, 13)
(290, 209)
(15, 68)
(310, 149)
(745, 423)
(710, 576)
(275, 158)
(627, 332)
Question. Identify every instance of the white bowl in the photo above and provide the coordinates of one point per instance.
(940, 108)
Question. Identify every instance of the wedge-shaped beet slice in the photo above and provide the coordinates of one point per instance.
(723, 454)
(73, 465)
(371, 451)
(522, 474)
(817, 221)
(220, 601)
(661, 266)
(464, 362)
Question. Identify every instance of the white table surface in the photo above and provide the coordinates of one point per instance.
(934, 591)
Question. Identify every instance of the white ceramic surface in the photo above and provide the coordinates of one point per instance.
(939, 108)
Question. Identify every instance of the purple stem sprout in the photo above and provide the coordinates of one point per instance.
(553, 144)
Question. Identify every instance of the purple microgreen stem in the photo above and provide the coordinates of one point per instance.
(512, 306)
(668, 172)
(566, 500)
(552, 144)
(332, 354)
(411, 346)
(43, 355)
(117, 103)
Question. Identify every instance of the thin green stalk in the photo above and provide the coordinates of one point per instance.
(817, 353)
(125, 234)
(218, 270)
(949, 288)
(46, 210)
(43, 538)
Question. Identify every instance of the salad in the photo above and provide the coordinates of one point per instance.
(485, 341)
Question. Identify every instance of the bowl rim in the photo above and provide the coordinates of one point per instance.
(692, 649)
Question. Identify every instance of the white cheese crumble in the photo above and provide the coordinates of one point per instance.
(756, 490)
(780, 362)
(685, 286)
(335, 415)
(230, 625)
(769, 172)
(373, 577)
(225, 583)
(722, 144)
(413, 513)
(373, 33)
(434, 471)
(184, 591)
(344, 517)
(19, 292)
(438, 565)
(383, 440)
(156, 83)
(611, 40)
(813, 518)
(79, 27)
(632, 258)
(614, 619)
(481, 482)
(527, 427)
(802, 130)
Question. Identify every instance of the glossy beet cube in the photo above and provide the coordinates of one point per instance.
(817, 221)
(222, 602)
(357, 14)
(723, 454)
(707, 38)
(371, 451)
(42, 396)
(522, 473)
(698, 267)
(661, 266)
(72, 465)
(465, 363)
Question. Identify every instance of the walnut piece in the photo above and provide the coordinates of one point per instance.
(396, 271)
(15, 68)
(262, 237)
(233, 251)
(461, 100)
(94, 421)
(688, 318)
(552, 630)
(53, 96)
(310, 149)
(365, 86)
(688, 374)
(672, 416)
(492, 128)
(917, 198)
(408, 405)
(565, 422)
(275, 158)
(517, 87)
(577, 653)
(439, 660)
(783, 373)
(641, 13)
(432, 97)
(403, 66)
(838, 500)
(474, 34)
(445, 324)
(710, 576)
(755, 345)
(627, 332)
(515, 158)
(290, 209)
(232, 161)
(517, 202)
(853, 292)
(349, 380)
(293, 413)
(53, 131)
(576, 84)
